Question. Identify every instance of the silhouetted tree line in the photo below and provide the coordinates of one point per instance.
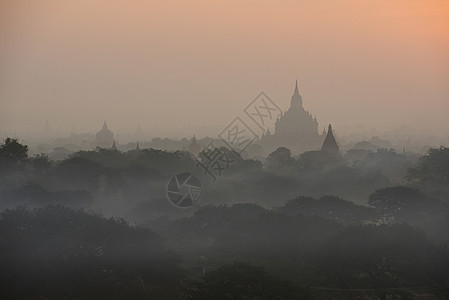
(392, 242)
(139, 176)
(55, 252)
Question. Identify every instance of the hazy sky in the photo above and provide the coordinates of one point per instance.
(192, 66)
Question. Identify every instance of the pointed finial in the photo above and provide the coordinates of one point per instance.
(296, 88)
(105, 126)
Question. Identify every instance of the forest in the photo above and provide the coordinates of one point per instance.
(98, 225)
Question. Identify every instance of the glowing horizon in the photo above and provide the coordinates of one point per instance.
(77, 63)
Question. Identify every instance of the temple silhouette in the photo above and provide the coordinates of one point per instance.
(194, 147)
(295, 129)
(330, 144)
(104, 138)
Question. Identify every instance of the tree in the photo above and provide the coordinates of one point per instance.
(244, 281)
(390, 163)
(40, 163)
(434, 166)
(13, 151)
(318, 160)
(376, 257)
(404, 204)
(329, 207)
(279, 158)
(56, 252)
(432, 172)
(394, 199)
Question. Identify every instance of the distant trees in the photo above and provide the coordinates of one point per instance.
(56, 252)
(318, 160)
(40, 163)
(274, 238)
(14, 166)
(13, 151)
(353, 157)
(243, 281)
(389, 162)
(329, 207)
(432, 173)
(375, 257)
(405, 204)
(308, 250)
(432, 167)
(352, 177)
(136, 174)
(279, 158)
(34, 195)
(394, 199)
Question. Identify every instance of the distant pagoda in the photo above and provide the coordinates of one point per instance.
(295, 129)
(104, 138)
(194, 147)
(330, 144)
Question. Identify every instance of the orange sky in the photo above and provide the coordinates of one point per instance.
(77, 63)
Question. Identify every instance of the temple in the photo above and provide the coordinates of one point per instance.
(295, 129)
(194, 147)
(104, 138)
(330, 144)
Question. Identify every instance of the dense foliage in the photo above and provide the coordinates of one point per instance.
(279, 229)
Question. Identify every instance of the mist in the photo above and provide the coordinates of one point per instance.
(224, 149)
(379, 65)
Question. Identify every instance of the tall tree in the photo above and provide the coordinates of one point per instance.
(13, 151)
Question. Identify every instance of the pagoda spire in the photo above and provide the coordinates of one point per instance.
(105, 126)
(330, 144)
(296, 101)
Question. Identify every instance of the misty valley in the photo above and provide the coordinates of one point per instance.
(99, 224)
(224, 149)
